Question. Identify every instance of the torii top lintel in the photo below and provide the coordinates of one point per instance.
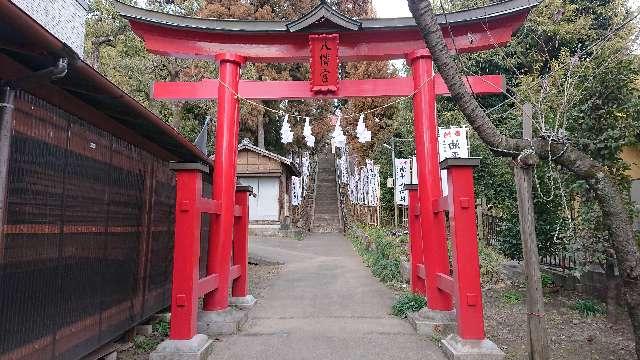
(281, 41)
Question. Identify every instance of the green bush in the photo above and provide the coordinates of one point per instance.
(161, 327)
(512, 297)
(144, 344)
(381, 252)
(406, 303)
(589, 307)
(547, 280)
(491, 262)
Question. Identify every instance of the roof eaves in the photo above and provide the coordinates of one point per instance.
(264, 152)
(52, 47)
(227, 25)
(323, 10)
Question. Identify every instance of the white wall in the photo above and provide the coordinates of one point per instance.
(265, 205)
(65, 19)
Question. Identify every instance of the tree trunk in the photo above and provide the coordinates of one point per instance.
(615, 215)
(176, 108)
(96, 45)
(613, 292)
(260, 136)
(176, 118)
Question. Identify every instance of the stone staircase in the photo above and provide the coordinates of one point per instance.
(326, 217)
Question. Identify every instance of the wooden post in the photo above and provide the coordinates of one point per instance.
(535, 304)
(480, 210)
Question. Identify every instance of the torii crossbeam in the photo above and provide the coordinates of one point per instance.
(289, 90)
(324, 37)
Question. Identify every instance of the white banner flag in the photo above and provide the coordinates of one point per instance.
(344, 168)
(296, 191)
(414, 170)
(362, 186)
(402, 176)
(353, 187)
(452, 143)
(372, 186)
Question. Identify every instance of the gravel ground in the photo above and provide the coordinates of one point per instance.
(259, 278)
(572, 336)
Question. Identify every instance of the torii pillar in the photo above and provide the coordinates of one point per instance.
(224, 179)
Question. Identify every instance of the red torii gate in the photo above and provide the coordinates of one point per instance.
(325, 35)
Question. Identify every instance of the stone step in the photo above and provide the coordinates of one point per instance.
(326, 194)
(327, 202)
(326, 229)
(326, 212)
(328, 221)
(327, 206)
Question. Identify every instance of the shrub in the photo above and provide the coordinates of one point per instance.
(161, 327)
(144, 344)
(547, 280)
(588, 307)
(511, 297)
(406, 303)
(380, 251)
(491, 262)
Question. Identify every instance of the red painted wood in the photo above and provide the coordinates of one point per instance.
(294, 47)
(184, 292)
(240, 286)
(207, 284)
(209, 206)
(292, 90)
(416, 282)
(237, 210)
(234, 272)
(224, 181)
(434, 242)
(446, 283)
(466, 263)
(422, 272)
(441, 204)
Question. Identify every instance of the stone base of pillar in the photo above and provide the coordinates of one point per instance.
(459, 349)
(197, 348)
(433, 322)
(223, 322)
(244, 303)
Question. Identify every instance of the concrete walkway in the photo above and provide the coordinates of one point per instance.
(324, 305)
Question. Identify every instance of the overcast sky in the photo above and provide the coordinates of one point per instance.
(399, 8)
(393, 8)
